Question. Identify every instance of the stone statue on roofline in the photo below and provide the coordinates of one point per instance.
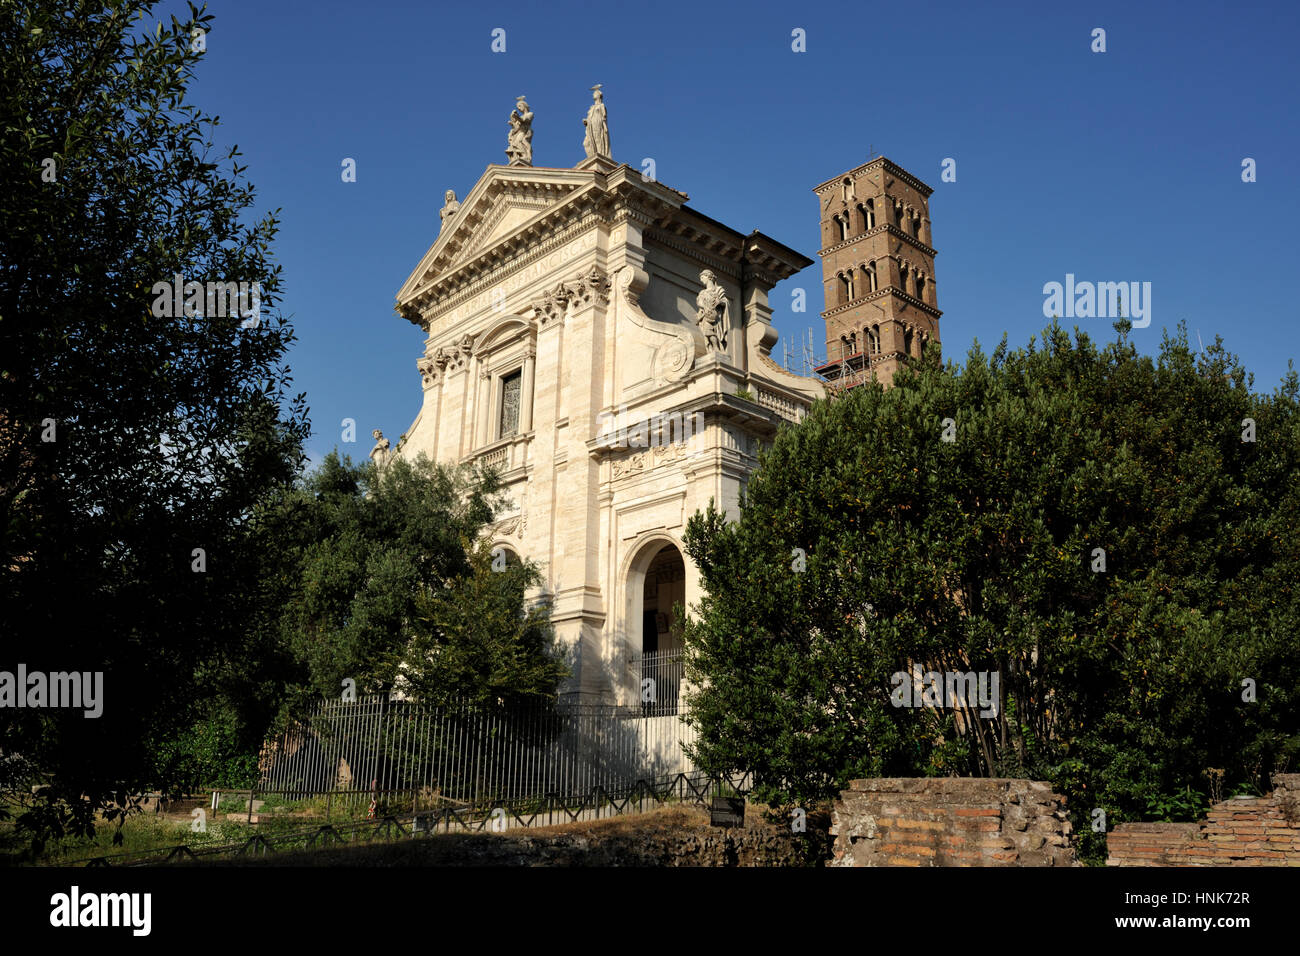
(596, 140)
(519, 146)
(449, 208)
(379, 454)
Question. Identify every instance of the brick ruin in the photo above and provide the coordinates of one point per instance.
(972, 821)
(1259, 831)
(950, 821)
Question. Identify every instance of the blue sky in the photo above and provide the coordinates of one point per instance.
(1115, 166)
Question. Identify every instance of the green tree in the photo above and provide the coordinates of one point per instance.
(479, 640)
(134, 444)
(1122, 686)
(387, 582)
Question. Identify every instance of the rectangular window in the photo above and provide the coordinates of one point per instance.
(510, 397)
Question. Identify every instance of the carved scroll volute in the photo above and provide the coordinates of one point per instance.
(631, 283)
(675, 358)
(762, 334)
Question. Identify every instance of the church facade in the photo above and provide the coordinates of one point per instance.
(607, 347)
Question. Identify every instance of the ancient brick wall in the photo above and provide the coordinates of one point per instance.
(1263, 831)
(950, 821)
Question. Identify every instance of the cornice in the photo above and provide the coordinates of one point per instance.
(883, 162)
(676, 230)
(469, 287)
(767, 265)
(767, 256)
(725, 267)
(580, 210)
(867, 363)
(573, 204)
(887, 227)
(881, 294)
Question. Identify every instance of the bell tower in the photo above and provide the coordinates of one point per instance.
(877, 272)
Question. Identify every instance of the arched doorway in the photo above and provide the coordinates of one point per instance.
(664, 588)
(657, 585)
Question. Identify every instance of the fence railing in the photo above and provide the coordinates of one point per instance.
(686, 789)
(657, 681)
(467, 755)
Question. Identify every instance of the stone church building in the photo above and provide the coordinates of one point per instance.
(607, 347)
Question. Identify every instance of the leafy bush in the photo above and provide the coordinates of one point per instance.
(869, 545)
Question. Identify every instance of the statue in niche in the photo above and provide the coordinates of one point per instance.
(450, 207)
(519, 147)
(596, 139)
(712, 312)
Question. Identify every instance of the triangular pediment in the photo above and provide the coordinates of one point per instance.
(503, 202)
(505, 218)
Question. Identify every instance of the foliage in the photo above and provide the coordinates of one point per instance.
(1120, 686)
(218, 750)
(127, 439)
(478, 640)
(382, 583)
(1186, 804)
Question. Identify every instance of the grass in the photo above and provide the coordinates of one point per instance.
(140, 833)
(147, 831)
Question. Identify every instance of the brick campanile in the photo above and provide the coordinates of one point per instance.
(877, 272)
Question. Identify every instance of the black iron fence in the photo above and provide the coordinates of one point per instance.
(685, 789)
(657, 680)
(468, 755)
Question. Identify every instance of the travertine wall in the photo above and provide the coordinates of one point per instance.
(576, 292)
(1262, 831)
(950, 821)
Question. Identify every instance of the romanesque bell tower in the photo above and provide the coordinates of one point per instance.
(878, 272)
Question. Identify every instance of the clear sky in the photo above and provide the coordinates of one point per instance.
(1117, 166)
